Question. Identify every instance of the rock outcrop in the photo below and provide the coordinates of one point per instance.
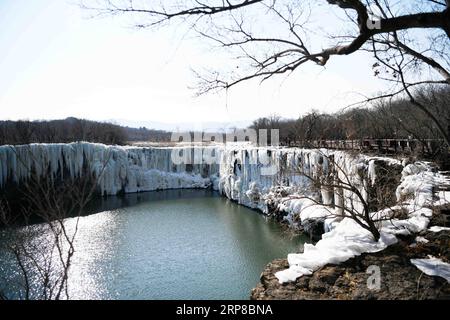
(399, 279)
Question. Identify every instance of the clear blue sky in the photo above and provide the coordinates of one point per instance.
(55, 63)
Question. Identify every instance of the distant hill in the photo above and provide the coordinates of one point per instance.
(204, 126)
(144, 134)
(73, 129)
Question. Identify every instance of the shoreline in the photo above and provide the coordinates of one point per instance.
(349, 280)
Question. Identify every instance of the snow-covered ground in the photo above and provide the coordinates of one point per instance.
(347, 239)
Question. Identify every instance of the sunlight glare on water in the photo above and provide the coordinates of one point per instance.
(162, 246)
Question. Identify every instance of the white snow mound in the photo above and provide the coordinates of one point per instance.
(433, 267)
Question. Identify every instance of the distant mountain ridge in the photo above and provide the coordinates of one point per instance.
(208, 126)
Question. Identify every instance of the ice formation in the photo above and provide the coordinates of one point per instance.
(245, 179)
(242, 177)
(118, 169)
(265, 178)
(418, 181)
(260, 178)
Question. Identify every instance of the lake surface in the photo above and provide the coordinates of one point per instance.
(180, 244)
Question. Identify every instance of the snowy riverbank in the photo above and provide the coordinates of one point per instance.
(399, 278)
(347, 239)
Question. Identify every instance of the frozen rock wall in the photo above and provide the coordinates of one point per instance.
(302, 184)
(245, 178)
(264, 178)
(118, 169)
(303, 178)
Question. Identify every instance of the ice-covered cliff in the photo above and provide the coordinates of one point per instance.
(299, 184)
(304, 178)
(317, 185)
(264, 178)
(118, 169)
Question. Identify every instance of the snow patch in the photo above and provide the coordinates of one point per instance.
(433, 267)
(422, 240)
(345, 241)
(438, 229)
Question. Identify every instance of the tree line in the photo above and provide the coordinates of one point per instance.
(383, 119)
(407, 41)
(73, 129)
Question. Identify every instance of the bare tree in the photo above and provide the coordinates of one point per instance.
(351, 197)
(408, 39)
(310, 124)
(41, 245)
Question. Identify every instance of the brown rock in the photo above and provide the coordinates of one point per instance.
(399, 279)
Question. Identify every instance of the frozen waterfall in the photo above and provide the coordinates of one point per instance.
(258, 177)
(118, 169)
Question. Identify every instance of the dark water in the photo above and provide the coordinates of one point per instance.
(189, 244)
